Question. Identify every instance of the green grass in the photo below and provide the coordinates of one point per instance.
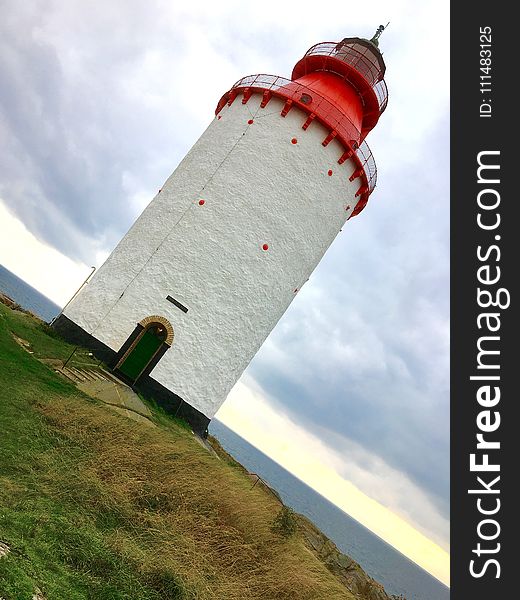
(161, 417)
(44, 342)
(96, 506)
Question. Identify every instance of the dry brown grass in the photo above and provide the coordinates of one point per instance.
(94, 505)
(177, 511)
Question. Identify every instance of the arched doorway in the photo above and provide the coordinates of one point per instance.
(148, 342)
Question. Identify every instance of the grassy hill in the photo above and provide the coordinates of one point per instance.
(94, 505)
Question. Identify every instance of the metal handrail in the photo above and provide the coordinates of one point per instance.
(273, 492)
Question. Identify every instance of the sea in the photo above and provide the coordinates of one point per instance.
(26, 296)
(399, 575)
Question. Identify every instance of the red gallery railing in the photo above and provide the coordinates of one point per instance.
(318, 108)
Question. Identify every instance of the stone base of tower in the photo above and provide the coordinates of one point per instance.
(146, 385)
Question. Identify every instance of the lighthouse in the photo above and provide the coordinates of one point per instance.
(188, 296)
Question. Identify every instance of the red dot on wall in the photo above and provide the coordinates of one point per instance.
(294, 141)
(219, 117)
(250, 122)
(201, 202)
(265, 247)
(330, 172)
(348, 207)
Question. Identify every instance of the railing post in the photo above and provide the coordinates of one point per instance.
(71, 355)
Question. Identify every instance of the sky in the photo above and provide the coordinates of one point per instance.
(99, 102)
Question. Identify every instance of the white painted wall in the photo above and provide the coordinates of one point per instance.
(258, 188)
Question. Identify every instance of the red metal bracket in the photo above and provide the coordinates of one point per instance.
(309, 120)
(286, 107)
(359, 207)
(329, 138)
(362, 190)
(247, 94)
(356, 173)
(265, 99)
(232, 96)
(345, 156)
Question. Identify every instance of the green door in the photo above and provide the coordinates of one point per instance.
(143, 352)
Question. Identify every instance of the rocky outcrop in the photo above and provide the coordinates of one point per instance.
(5, 299)
(8, 301)
(347, 570)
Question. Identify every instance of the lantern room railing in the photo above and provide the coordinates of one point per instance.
(317, 107)
(358, 57)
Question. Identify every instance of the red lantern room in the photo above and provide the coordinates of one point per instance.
(350, 73)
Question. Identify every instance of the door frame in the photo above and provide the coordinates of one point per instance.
(133, 340)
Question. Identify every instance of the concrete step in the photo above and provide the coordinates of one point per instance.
(82, 374)
(68, 374)
(101, 384)
(111, 377)
(94, 374)
(86, 373)
(78, 373)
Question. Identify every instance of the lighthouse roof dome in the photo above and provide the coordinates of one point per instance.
(368, 48)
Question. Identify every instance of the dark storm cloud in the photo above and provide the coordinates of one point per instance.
(89, 99)
(73, 130)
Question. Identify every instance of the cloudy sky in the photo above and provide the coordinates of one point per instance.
(99, 101)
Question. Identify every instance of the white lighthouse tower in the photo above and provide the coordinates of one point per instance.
(190, 293)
